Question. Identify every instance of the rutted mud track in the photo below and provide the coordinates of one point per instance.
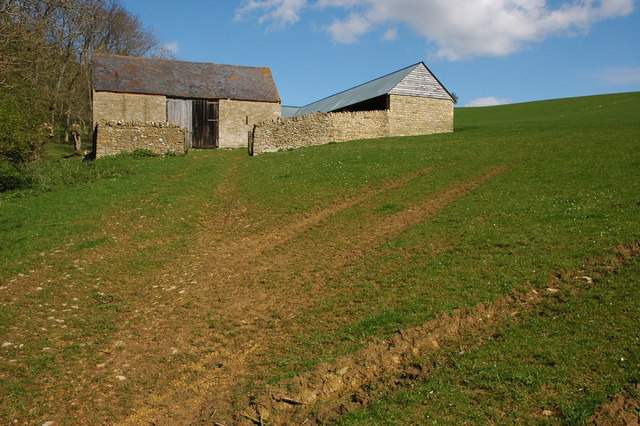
(332, 389)
(191, 331)
(198, 327)
(235, 292)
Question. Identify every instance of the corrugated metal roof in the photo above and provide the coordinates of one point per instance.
(181, 79)
(288, 111)
(378, 87)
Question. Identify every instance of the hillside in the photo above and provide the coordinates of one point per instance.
(489, 275)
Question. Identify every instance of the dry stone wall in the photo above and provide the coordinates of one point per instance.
(407, 115)
(318, 129)
(237, 119)
(113, 137)
(109, 106)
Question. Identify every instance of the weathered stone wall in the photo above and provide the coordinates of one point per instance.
(318, 129)
(412, 115)
(113, 137)
(348, 126)
(108, 106)
(407, 115)
(237, 118)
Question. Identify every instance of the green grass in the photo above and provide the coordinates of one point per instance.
(567, 358)
(173, 191)
(570, 193)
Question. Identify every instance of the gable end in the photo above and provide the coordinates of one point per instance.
(421, 82)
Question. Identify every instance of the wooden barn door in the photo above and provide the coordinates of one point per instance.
(181, 111)
(205, 123)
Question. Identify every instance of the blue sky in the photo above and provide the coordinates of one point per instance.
(486, 51)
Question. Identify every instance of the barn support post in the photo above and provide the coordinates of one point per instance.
(250, 141)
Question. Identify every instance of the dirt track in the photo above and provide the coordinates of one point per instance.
(197, 327)
(235, 290)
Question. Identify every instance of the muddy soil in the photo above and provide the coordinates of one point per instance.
(238, 290)
(330, 390)
(622, 410)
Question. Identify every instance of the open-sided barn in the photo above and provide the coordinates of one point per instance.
(217, 104)
(415, 81)
(410, 101)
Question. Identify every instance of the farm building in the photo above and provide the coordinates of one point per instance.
(415, 81)
(411, 101)
(136, 100)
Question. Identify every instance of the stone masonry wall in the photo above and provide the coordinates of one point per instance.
(407, 115)
(113, 137)
(318, 129)
(237, 118)
(412, 115)
(108, 106)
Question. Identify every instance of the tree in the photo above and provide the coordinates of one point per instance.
(45, 52)
(21, 138)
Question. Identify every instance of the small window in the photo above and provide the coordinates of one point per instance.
(212, 110)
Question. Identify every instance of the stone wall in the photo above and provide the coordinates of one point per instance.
(412, 115)
(318, 129)
(407, 115)
(108, 106)
(237, 118)
(113, 137)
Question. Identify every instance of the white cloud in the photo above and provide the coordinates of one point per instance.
(167, 50)
(349, 30)
(390, 35)
(172, 48)
(488, 101)
(460, 29)
(618, 76)
(279, 12)
(337, 3)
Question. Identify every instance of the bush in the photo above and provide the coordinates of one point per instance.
(50, 172)
(12, 178)
(22, 135)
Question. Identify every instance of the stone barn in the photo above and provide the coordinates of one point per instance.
(170, 106)
(410, 101)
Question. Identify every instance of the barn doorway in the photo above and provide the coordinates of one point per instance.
(200, 118)
(205, 123)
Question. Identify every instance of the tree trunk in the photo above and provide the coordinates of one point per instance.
(77, 141)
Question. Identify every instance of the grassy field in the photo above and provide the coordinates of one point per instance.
(185, 289)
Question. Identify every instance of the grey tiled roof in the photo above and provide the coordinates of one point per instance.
(124, 74)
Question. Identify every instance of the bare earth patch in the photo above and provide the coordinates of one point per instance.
(621, 411)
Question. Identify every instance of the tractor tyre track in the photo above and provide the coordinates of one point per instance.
(243, 299)
(330, 390)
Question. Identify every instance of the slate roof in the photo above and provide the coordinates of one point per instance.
(150, 76)
(372, 89)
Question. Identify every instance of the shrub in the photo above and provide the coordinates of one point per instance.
(22, 136)
(12, 178)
